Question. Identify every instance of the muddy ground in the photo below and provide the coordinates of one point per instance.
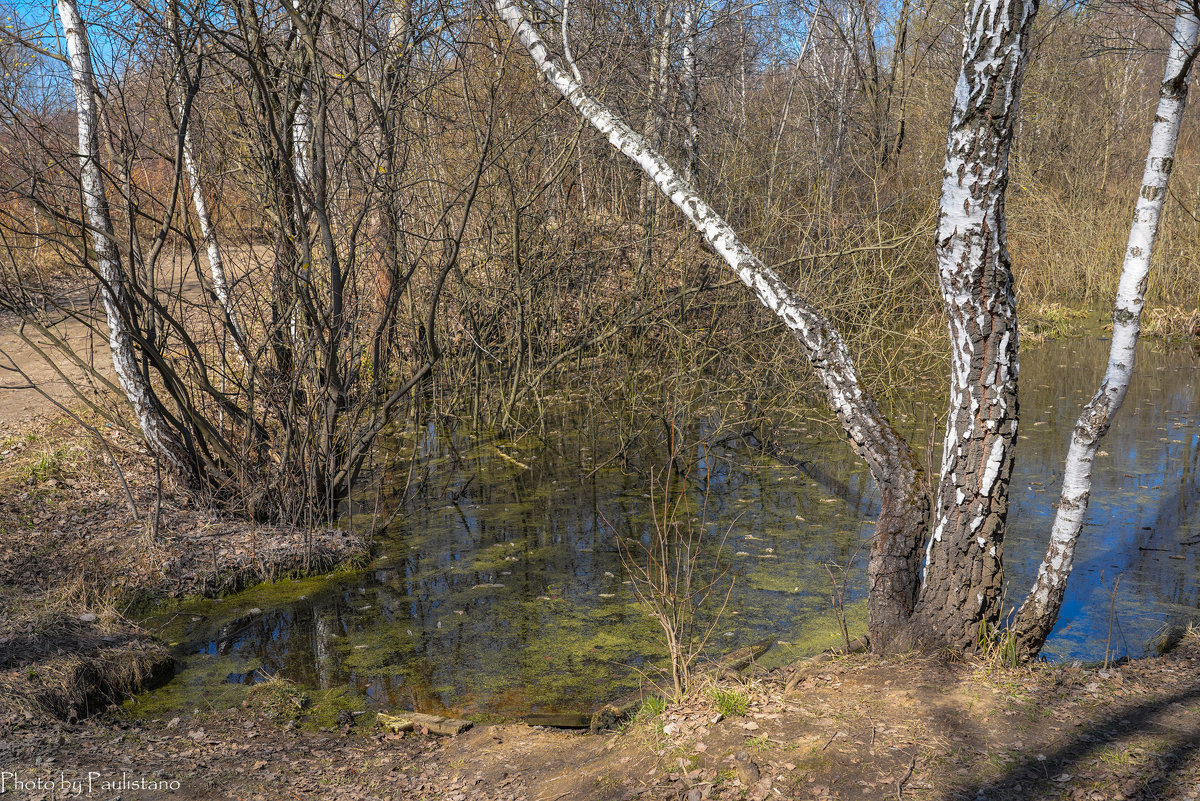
(75, 563)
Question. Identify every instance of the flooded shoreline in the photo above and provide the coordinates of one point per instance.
(503, 594)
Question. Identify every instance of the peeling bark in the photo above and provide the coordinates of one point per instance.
(963, 571)
(1038, 613)
(163, 440)
(895, 553)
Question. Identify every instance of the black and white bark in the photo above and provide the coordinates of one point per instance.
(119, 304)
(1037, 615)
(302, 120)
(903, 519)
(963, 571)
(208, 234)
(691, 91)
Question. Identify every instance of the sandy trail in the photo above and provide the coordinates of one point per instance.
(19, 401)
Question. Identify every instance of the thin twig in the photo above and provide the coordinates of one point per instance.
(912, 763)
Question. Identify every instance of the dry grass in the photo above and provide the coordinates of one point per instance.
(73, 560)
(58, 661)
(1049, 321)
(1171, 322)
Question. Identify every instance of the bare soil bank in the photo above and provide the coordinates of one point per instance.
(855, 727)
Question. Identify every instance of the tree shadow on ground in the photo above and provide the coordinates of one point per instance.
(1136, 751)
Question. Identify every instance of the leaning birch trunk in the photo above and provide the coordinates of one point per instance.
(961, 595)
(118, 304)
(900, 529)
(208, 233)
(1038, 613)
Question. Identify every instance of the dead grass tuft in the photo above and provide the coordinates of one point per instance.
(1171, 322)
(1050, 321)
(68, 665)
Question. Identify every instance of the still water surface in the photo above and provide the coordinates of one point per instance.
(505, 593)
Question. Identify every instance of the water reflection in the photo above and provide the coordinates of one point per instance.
(1144, 497)
(507, 594)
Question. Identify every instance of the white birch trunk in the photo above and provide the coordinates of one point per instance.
(691, 90)
(208, 233)
(302, 122)
(163, 441)
(302, 141)
(303, 135)
(1039, 612)
(901, 526)
(963, 572)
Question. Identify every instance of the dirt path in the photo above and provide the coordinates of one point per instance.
(19, 402)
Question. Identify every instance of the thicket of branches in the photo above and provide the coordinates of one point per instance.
(405, 220)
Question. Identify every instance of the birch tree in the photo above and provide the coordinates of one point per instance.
(188, 85)
(964, 552)
(691, 91)
(963, 581)
(162, 438)
(1037, 615)
(208, 232)
(302, 121)
(284, 434)
(895, 551)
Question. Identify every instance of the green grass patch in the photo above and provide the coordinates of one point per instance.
(729, 703)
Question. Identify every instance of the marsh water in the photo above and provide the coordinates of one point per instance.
(502, 592)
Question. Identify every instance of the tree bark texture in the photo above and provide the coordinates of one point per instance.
(963, 578)
(691, 91)
(208, 232)
(1039, 612)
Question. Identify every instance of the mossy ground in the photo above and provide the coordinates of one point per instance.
(76, 564)
(285, 702)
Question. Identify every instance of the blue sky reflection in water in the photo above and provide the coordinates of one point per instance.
(505, 594)
(1143, 524)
